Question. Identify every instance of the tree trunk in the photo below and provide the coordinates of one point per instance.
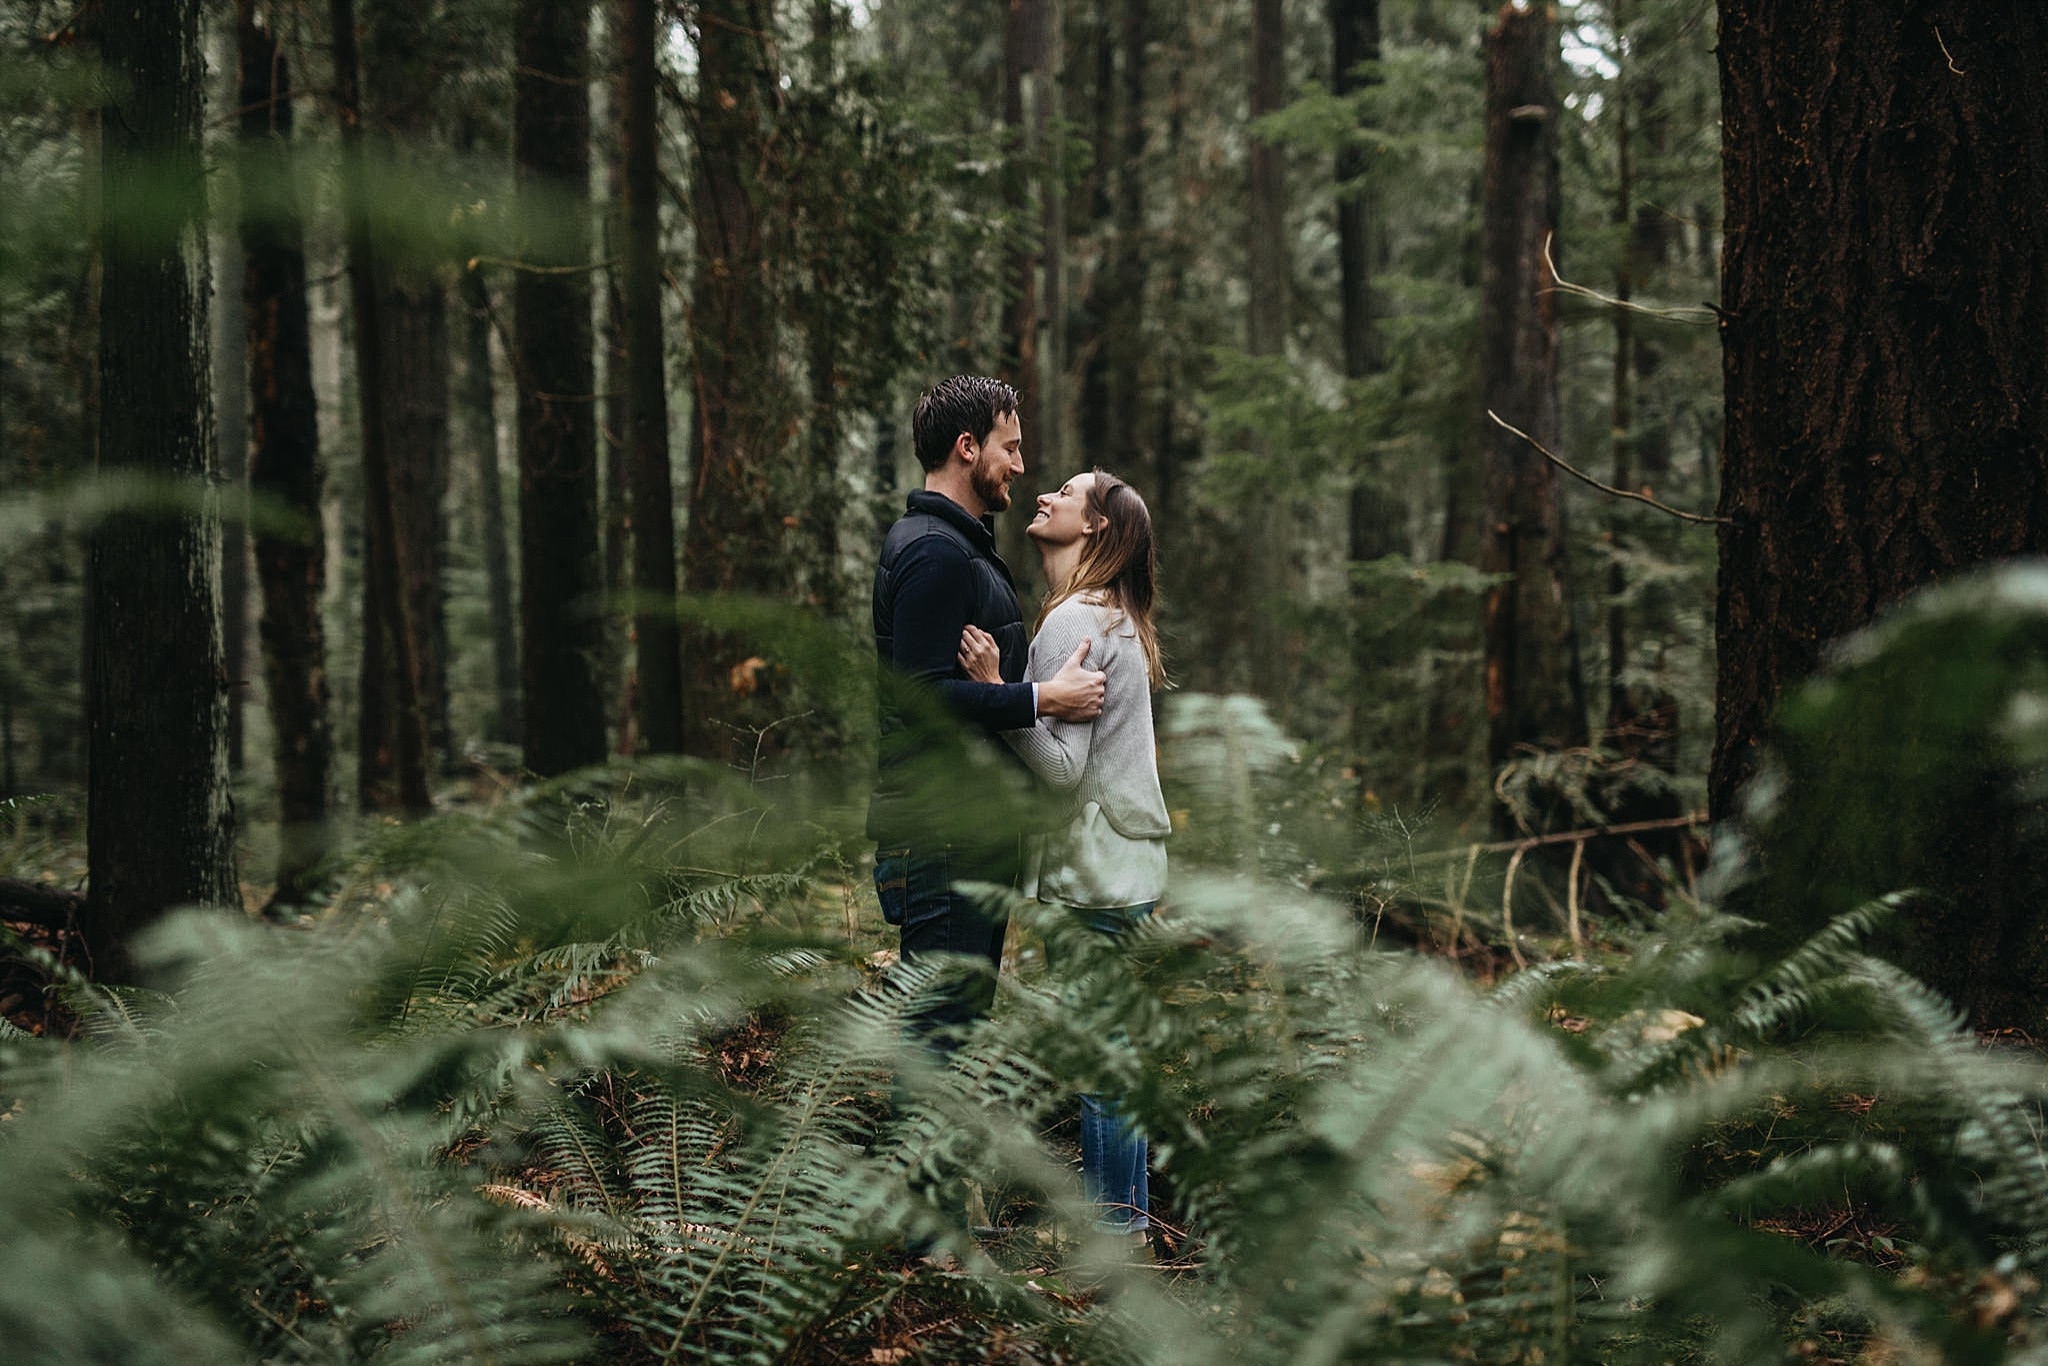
(826, 360)
(1355, 39)
(1032, 289)
(400, 77)
(1621, 412)
(1271, 529)
(1533, 690)
(560, 577)
(1271, 270)
(284, 465)
(231, 411)
(1886, 385)
(159, 826)
(1371, 517)
(737, 540)
(1111, 422)
(658, 696)
(392, 776)
(613, 440)
(480, 402)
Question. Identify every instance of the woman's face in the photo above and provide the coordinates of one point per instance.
(1062, 517)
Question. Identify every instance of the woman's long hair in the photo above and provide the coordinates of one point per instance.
(1117, 565)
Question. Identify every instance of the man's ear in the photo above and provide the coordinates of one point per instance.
(964, 447)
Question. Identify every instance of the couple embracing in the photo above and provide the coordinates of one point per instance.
(1070, 705)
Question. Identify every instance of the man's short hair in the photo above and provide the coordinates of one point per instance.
(965, 403)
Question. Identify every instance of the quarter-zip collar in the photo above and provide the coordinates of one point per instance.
(981, 530)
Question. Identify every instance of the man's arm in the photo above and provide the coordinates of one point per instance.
(934, 587)
(1071, 692)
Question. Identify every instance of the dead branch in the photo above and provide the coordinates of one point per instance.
(1609, 489)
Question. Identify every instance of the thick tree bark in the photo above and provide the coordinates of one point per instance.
(1533, 689)
(658, 696)
(560, 578)
(393, 778)
(480, 403)
(284, 465)
(737, 541)
(1886, 384)
(159, 825)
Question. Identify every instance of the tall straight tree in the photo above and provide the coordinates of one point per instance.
(1268, 321)
(560, 574)
(284, 461)
(231, 420)
(159, 825)
(396, 781)
(1111, 415)
(402, 62)
(1354, 43)
(1886, 386)
(477, 402)
(1533, 689)
(736, 539)
(479, 405)
(658, 692)
(1031, 331)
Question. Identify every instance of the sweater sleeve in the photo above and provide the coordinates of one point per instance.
(934, 597)
(1057, 751)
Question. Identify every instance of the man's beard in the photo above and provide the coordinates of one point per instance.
(992, 491)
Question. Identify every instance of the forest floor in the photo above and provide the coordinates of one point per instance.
(923, 1309)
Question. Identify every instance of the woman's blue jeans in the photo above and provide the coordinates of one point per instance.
(1113, 1151)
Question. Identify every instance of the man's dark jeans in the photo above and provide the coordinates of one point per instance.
(916, 888)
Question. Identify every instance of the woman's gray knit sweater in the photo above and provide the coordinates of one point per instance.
(1112, 850)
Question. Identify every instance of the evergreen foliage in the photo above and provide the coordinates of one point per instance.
(606, 1076)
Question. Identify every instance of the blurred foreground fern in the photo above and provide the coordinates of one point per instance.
(606, 1078)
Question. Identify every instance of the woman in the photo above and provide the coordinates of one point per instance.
(1094, 537)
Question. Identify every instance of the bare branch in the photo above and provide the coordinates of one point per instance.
(1643, 498)
(1696, 316)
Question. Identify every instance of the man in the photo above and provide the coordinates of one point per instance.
(949, 796)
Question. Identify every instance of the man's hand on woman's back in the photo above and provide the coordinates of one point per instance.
(1075, 692)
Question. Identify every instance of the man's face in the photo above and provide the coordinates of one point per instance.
(997, 461)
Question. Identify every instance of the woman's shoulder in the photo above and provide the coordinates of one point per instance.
(1086, 612)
